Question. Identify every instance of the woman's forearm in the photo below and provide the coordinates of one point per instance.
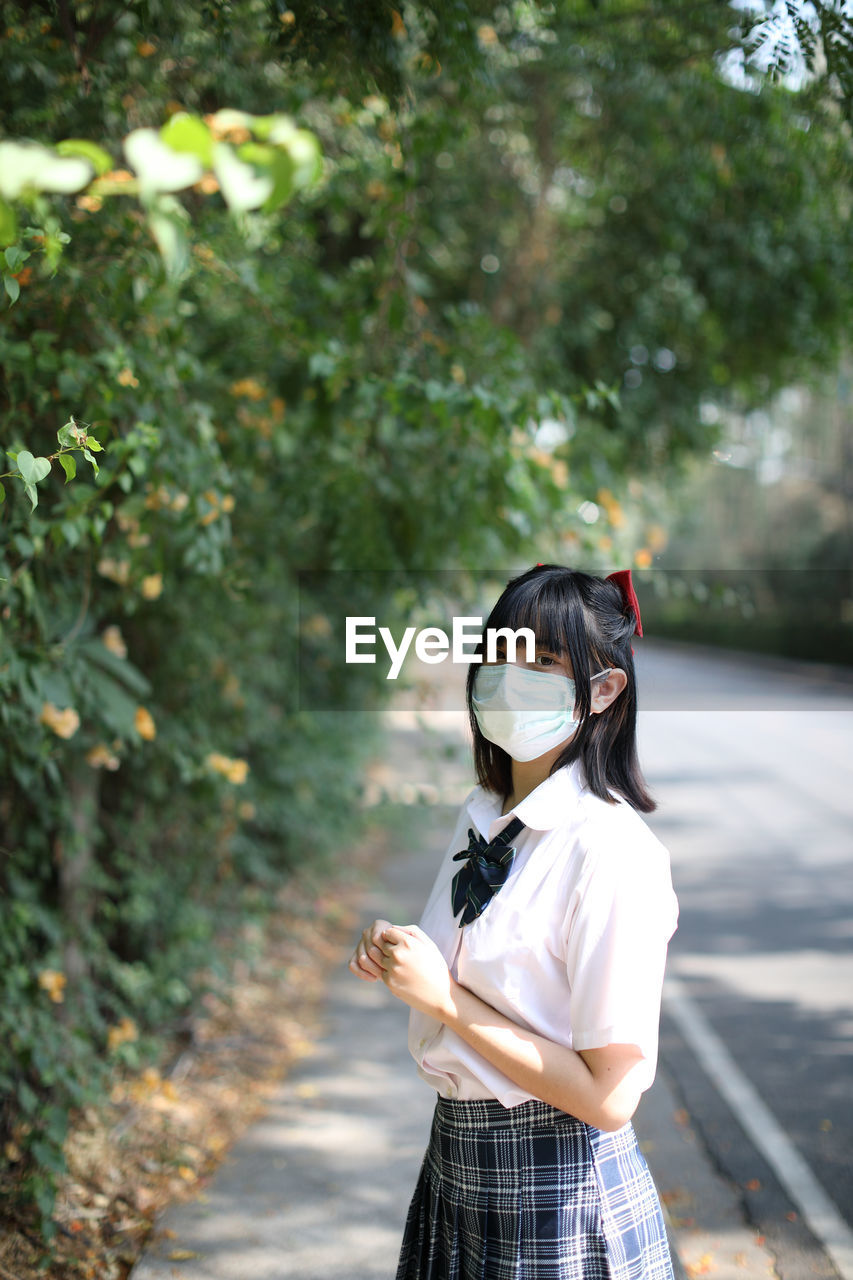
(597, 1086)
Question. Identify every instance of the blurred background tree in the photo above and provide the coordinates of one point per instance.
(553, 257)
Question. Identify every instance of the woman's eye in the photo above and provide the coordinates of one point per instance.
(545, 660)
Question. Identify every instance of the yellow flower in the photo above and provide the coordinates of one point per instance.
(217, 504)
(235, 771)
(238, 772)
(145, 48)
(152, 585)
(100, 757)
(157, 498)
(121, 1033)
(144, 722)
(318, 625)
(248, 387)
(117, 570)
(643, 558)
(656, 537)
(126, 378)
(63, 723)
(145, 1085)
(441, 347)
(615, 514)
(207, 185)
(126, 521)
(231, 688)
(112, 639)
(560, 472)
(53, 982)
(92, 204)
(179, 501)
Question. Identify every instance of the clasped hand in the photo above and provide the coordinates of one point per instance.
(408, 962)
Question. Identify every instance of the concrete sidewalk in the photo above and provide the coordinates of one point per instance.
(319, 1187)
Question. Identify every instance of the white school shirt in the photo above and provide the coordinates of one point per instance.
(573, 945)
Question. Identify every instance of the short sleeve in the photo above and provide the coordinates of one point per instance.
(617, 933)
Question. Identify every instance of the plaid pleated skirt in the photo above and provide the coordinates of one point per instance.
(531, 1193)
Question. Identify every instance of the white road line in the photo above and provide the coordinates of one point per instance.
(759, 1123)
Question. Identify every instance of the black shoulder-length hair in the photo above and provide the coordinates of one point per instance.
(587, 618)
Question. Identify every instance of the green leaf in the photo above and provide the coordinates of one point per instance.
(27, 1098)
(279, 165)
(93, 444)
(32, 494)
(15, 257)
(100, 159)
(185, 132)
(87, 455)
(8, 223)
(167, 219)
(302, 147)
(304, 150)
(2, 494)
(69, 465)
(28, 166)
(242, 188)
(262, 126)
(12, 287)
(116, 706)
(282, 175)
(32, 469)
(256, 153)
(66, 435)
(98, 655)
(71, 533)
(158, 166)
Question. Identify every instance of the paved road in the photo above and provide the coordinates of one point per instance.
(757, 811)
(754, 807)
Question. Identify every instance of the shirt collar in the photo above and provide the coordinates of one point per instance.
(546, 807)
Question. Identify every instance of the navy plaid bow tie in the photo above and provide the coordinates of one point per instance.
(485, 871)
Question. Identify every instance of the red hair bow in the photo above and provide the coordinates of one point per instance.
(623, 580)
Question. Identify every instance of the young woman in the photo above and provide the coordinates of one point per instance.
(535, 975)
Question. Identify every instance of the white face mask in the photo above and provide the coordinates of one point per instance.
(525, 711)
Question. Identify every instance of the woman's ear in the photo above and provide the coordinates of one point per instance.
(608, 690)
